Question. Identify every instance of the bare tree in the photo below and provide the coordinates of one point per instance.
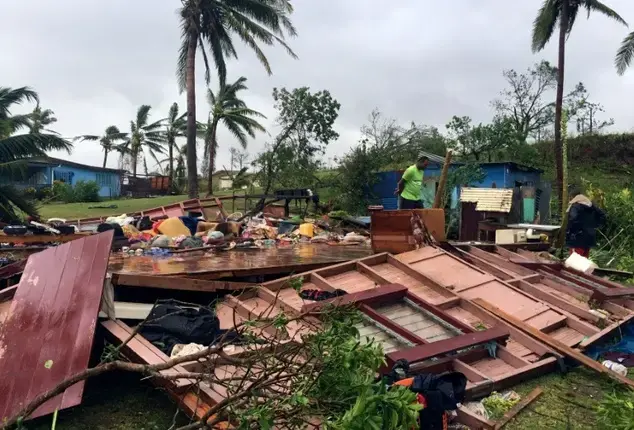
(523, 101)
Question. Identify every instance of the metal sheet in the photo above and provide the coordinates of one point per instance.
(49, 333)
(283, 259)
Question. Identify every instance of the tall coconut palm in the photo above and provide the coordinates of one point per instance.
(40, 118)
(215, 23)
(15, 149)
(175, 127)
(625, 54)
(108, 141)
(228, 108)
(562, 13)
(144, 135)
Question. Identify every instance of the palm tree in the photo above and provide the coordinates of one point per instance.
(227, 107)
(40, 118)
(216, 22)
(175, 126)
(108, 141)
(625, 54)
(144, 135)
(15, 149)
(562, 13)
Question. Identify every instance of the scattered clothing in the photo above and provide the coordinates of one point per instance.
(624, 358)
(191, 223)
(191, 242)
(583, 220)
(179, 324)
(320, 295)
(584, 252)
(181, 350)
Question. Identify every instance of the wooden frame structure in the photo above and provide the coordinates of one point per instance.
(571, 291)
(517, 359)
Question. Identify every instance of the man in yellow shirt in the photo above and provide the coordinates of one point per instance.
(410, 187)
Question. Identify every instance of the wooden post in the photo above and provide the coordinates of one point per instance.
(443, 180)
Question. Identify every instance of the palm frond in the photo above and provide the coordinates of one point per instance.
(544, 24)
(142, 115)
(597, 6)
(181, 65)
(625, 54)
(238, 132)
(13, 202)
(89, 137)
(112, 130)
(21, 146)
(15, 96)
(12, 169)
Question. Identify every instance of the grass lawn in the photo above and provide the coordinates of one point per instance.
(122, 402)
(81, 210)
(89, 210)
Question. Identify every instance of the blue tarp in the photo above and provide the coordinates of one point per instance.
(625, 345)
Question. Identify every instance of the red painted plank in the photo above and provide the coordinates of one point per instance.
(384, 294)
(52, 320)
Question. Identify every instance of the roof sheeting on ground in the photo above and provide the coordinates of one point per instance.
(48, 334)
(488, 199)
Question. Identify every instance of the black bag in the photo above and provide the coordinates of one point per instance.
(442, 393)
(181, 324)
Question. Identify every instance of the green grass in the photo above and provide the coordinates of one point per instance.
(81, 210)
(122, 402)
(569, 401)
(117, 401)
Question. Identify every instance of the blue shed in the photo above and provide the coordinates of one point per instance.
(498, 175)
(43, 171)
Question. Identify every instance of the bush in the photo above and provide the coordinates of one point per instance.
(83, 191)
(63, 192)
(44, 193)
(86, 191)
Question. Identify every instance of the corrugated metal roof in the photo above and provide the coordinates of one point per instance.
(488, 199)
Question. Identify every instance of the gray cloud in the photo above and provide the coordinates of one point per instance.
(95, 62)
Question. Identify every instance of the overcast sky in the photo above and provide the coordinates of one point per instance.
(95, 62)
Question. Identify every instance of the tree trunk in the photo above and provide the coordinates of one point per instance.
(134, 159)
(192, 171)
(559, 167)
(105, 157)
(171, 159)
(213, 144)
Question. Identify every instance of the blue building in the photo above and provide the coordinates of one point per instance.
(498, 175)
(43, 171)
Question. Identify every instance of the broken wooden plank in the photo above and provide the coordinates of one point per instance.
(55, 308)
(176, 283)
(509, 415)
(380, 295)
(553, 343)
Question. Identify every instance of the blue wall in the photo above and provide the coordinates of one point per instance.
(109, 182)
(503, 175)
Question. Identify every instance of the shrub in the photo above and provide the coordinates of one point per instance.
(83, 191)
(86, 191)
(63, 192)
(44, 193)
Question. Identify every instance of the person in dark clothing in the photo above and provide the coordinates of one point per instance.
(584, 218)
